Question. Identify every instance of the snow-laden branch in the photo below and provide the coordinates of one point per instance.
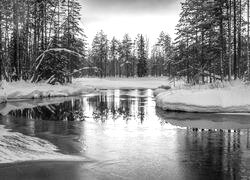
(40, 58)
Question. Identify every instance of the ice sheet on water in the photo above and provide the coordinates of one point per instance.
(6, 108)
(17, 147)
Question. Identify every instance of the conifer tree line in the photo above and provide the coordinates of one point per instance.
(34, 35)
(43, 40)
(130, 58)
(212, 41)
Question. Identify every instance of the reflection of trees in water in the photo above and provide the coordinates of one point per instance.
(141, 114)
(224, 153)
(101, 110)
(67, 111)
(220, 152)
(104, 108)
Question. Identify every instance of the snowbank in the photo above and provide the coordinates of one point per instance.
(228, 98)
(126, 83)
(26, 90)
(158, 91)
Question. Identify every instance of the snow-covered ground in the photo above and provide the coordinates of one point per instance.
(234, 97)
(26, 90)
(126, 83)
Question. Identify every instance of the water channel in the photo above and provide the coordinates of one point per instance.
(120, 134)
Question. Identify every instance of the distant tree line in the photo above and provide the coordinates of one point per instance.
(42, 40)
(130, 58)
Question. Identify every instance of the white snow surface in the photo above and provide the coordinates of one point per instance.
(27, 90)
(16, 147)
(126, 83)
(225, 98)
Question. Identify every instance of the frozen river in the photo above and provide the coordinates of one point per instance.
(120, 134)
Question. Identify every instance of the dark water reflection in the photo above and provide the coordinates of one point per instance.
(125, 137)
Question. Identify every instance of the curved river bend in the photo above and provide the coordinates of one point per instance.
(119, 134)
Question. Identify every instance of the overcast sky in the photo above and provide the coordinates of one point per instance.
(117, 17)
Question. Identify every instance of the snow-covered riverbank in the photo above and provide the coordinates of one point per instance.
(234, 97)
(26, 90)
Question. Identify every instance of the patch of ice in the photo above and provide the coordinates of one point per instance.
(5, 108)
(16, 147)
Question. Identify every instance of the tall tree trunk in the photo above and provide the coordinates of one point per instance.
(6, 50)
(239, 42)
(16, 40)
(202, 56)
(210, 59)
(1, 47)
(235, 41)
(221, 42)
(35, 33)
(187, 65)
(27, 61)
(45, 25)
(248, 59)
(229, 9)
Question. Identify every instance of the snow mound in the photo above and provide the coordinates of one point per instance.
(16, 147)
(233, 98)
(158, 91)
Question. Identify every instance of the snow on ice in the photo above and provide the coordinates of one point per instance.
(16, 147)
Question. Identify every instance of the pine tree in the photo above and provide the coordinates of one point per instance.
(142, 59)
(114, 55)
(248, 59)
(100, 52)
(204, 36)
(164, 42)
(1, 40)
(126, 54)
